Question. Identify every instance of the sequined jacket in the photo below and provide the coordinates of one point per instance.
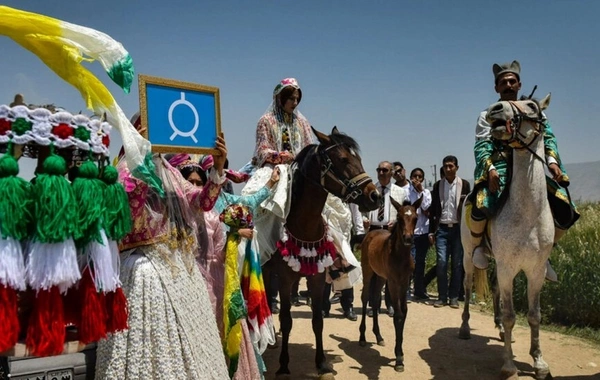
(148, 211)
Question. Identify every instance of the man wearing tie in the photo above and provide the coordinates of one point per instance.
(385, 216)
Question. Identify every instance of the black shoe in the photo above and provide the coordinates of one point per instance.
(454, 303)
(440, 303)
(274, 309)
(370, 313)
(334, 299)
(350, 315)
(296, 301)
(421, 297)
(390, 311)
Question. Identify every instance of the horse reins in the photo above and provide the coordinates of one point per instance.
(517, 136)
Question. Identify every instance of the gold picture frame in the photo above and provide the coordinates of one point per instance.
(159, 97)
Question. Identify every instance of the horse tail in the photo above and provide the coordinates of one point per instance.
(481, 284)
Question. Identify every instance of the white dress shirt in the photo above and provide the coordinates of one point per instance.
(449, 202)
(386, 213)
(422, 227)
(357, 219)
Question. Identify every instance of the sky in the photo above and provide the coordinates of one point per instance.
(406, 79)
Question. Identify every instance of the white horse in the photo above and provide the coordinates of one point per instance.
(522, 233)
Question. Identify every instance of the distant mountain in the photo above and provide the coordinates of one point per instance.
(585, 181)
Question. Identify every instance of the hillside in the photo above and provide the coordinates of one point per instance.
(585, 181)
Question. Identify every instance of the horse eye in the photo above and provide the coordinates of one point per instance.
(533, 107)
(497, 107)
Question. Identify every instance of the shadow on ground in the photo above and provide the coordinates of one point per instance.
(480, 357)
(302, 360)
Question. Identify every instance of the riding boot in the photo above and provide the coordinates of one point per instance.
(550, 273)
(481, 251)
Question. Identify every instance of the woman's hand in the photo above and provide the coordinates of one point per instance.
(246, 233)
(274, 177)
(220, 159)
(418, 185)
(286, 157)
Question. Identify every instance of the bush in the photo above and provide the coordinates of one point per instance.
(575, 300)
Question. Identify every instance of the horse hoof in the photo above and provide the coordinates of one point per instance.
(464, 334)
(381, 343)
(282, 374)
(399, 368)
(362, 343)
(543, 374)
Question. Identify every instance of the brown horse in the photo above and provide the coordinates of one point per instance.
(385, 256)
(333, 166)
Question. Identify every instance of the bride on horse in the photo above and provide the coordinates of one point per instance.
(282, 132)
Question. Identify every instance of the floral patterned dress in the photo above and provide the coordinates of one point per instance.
(172, 329)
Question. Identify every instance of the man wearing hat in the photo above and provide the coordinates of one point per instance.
(492, 168)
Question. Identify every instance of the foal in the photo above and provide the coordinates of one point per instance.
(385, 256)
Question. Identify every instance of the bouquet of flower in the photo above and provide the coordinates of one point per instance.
(237, 216)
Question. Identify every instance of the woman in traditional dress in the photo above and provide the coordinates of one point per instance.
(282, 132)
(172, 330)
(254, 339)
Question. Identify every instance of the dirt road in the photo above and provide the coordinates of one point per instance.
(432, 349)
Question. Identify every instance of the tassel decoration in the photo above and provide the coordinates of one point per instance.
(117, 214)
(92, 326)
(9, 319)
(87, 190)
(117, 312)
(51, 266)
(46, 330)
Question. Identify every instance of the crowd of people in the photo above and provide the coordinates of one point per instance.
(228, 237)
(190, 251)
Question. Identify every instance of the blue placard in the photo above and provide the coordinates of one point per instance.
(180, 117)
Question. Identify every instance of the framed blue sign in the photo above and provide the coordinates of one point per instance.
(180, 117)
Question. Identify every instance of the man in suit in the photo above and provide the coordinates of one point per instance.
(385, 216)
(447, 199)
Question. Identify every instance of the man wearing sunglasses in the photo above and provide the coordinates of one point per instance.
(385, 216)
(400, 176)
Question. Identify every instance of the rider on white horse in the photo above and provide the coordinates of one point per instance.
(492, 172)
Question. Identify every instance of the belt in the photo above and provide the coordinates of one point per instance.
(449, 225)
(383, 227)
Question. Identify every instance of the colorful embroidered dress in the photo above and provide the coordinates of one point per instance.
(245, 339)
(172, 331)
(490, 152)
(276, 132)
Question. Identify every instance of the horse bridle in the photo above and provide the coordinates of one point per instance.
(513, 126)
(351, 187)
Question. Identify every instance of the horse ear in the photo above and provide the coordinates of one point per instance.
(417, 203)
(395, 204)
(323, 138)
(335, 131)
(545, 102)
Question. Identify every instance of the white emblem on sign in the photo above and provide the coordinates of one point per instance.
(177, 131)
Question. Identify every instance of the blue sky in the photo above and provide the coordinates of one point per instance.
(407, 79)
